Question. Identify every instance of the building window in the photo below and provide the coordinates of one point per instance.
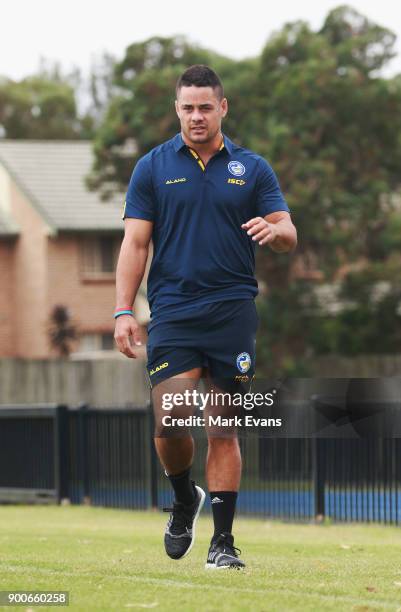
(96, 342)
(99, 255)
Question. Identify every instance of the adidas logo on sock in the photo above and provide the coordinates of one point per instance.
(216, 500)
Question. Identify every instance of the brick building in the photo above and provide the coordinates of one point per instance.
(58, 246)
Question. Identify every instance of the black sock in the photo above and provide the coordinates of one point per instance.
(223, 508)
(183, 487)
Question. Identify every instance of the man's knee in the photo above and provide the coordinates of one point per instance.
(223, 444)
(172, 401)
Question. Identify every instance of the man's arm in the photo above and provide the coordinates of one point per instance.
(275, 229)
(130, 270)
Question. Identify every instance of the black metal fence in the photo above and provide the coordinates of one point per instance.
(33, 448)
(106, 457)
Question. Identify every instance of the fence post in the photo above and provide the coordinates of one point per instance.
(319, 477)
(61, 452)
(83, 451)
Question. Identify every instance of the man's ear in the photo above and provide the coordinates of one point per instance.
(176, 107)
(224, 106)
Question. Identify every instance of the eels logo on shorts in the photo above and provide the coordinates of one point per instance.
(243, 362)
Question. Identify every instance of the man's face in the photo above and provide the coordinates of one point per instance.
(200, 112)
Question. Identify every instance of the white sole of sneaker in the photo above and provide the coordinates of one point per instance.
(202, 501)
(211, 566)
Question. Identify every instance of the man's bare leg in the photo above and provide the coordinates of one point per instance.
(223, 464)
(223, 461)
(223, 474)
(175, 449)
(175, 452)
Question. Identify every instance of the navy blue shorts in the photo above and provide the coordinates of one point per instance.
(222, 337)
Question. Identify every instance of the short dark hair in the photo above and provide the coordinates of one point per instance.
(200, 75)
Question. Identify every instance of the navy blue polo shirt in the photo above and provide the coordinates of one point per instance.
(201, 253)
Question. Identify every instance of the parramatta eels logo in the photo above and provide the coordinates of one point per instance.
(236, 168)
(243, 362)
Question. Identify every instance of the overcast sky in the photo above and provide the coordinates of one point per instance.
(74, 32)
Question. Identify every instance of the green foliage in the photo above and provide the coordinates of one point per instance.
(332, 130)
(329, 130)
(286, 321)
(358, 41)
(370, 318)
(40, 107)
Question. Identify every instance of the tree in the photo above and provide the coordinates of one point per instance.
(44, 106)
(62, 330)
(314, 104)
(37, 108)
(331, 126)
(358, 42)
(100, 86)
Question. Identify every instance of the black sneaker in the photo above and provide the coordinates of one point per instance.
(180, 531)
(223, 554)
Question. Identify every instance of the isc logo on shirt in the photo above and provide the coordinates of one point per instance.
(236, 181)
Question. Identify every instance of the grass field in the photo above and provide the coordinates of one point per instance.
(114, 560)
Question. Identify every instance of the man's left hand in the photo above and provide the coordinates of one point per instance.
(261, 230)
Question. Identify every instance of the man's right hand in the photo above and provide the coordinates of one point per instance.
(127, 328)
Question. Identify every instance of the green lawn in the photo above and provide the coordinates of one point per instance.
(114, 560)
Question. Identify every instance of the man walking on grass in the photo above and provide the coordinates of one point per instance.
(205, 203)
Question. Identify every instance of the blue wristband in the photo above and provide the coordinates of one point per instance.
(122, 312)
